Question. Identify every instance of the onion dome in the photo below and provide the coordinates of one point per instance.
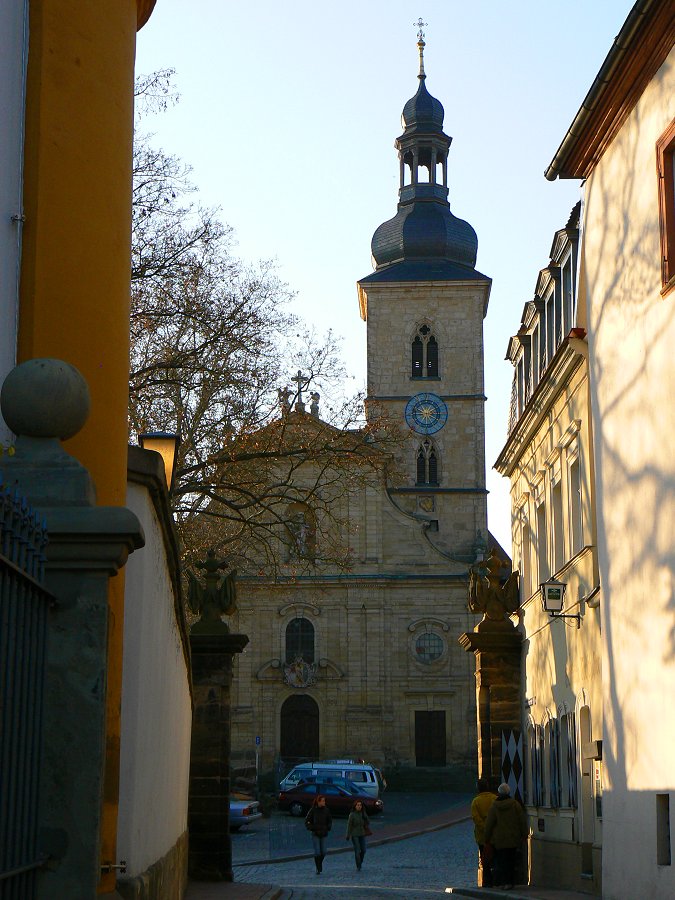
(424, 231)
(423, 111)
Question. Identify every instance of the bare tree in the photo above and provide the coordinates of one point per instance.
(212, 344)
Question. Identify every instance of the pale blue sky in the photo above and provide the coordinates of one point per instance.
(288, 115)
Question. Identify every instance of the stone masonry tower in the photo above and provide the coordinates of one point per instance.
(424, 307)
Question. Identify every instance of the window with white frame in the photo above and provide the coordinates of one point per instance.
(542, 543)
(525, 550)
(568, 292)
(568, 761)
(558, 533)
(575, 507)
(552, 763)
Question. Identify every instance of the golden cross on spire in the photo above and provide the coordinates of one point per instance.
(420, 44)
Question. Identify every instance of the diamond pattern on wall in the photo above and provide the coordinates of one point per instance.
(512, 762)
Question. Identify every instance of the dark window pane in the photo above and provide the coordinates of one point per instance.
(417, 357)
(300, 640)
(433, 468)
(432, 358)
(421, 467)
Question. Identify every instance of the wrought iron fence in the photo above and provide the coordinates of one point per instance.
(24, 604)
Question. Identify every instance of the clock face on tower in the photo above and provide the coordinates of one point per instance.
(426, 413)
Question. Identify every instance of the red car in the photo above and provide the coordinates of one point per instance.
(298, 800)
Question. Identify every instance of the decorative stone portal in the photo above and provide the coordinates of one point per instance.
(299, 731)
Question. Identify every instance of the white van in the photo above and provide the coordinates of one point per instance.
(362, 775)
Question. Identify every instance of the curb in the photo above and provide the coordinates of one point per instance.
(378, 842)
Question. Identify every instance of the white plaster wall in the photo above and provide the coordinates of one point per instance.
(632, 336)
(12, 70)
(156, 710)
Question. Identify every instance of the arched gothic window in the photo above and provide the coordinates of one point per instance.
(300, 640)
(427, 463)
(424, 353)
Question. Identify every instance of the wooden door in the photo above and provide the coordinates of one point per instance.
(430, 738)
(299, 728)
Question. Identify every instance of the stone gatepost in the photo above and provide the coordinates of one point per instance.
(212, 649)
(497, 647)
(44, 400)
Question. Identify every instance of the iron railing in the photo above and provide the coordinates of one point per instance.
(24, 605)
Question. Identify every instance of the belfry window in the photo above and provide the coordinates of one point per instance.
(300, 640)
(424, 354)
(427, 464)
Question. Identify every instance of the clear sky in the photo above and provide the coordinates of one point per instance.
(288, 114)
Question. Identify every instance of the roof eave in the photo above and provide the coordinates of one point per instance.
(638, 51)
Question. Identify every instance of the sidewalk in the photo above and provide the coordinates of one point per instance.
(520, 892)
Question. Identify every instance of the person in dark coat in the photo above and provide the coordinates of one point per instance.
(480, 807)
(319, 821)
(505, 829)
(358, 826)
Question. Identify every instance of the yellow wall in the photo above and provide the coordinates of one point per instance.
(76, 250)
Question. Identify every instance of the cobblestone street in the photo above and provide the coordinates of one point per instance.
(415, 868)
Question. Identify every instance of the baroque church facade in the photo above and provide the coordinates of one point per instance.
(366, 662)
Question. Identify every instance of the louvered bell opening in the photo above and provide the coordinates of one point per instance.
(417, 358)
(432, 358)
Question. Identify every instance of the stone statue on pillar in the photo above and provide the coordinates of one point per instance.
(215, 599)
(488, 595)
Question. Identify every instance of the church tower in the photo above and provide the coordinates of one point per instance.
(424, 307)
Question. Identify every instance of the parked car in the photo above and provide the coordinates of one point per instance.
(330, 779)
(362, 774)
(243, 812)
(339, 799)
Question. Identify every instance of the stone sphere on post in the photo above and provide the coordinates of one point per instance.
(45, 398)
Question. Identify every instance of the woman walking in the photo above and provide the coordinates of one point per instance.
(358, 826)
(319, 821)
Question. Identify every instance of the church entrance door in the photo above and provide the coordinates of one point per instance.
(299, 731)
(429, 738)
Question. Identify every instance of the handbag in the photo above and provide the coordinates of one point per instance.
(367, 830)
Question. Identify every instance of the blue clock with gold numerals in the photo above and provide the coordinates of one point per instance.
(426, 413)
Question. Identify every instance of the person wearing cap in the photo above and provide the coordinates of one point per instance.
(505, 829)
(480, 806)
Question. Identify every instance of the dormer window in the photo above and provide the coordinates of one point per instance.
(424, 354)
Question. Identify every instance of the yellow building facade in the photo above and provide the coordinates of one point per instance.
(622, 145)
(75, 233)
(548, 459)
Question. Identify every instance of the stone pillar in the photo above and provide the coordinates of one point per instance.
(497, 646)
(210, 854)
(42, 401)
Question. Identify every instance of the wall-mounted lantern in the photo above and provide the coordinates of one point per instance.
(553, 600)
(166, 444)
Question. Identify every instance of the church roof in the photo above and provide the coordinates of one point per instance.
(424, 270)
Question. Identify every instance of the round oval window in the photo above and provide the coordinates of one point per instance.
(428, 647)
